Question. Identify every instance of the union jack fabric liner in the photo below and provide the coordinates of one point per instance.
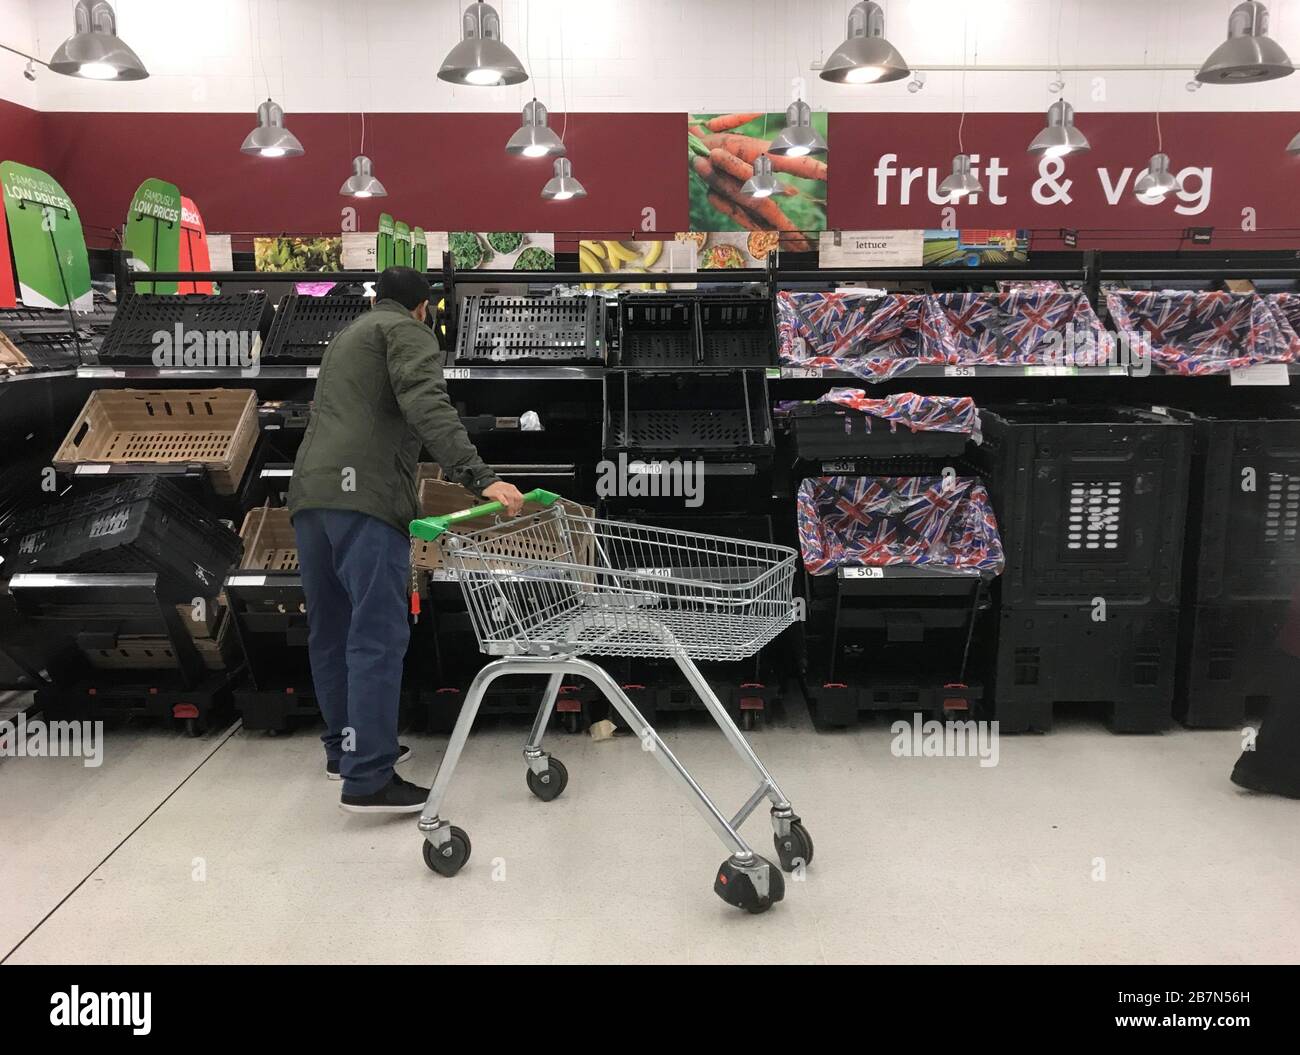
(1021, 327)
(869, 334)
(906, 409)
(876, 521)
(1286, 310)
(1203, 333)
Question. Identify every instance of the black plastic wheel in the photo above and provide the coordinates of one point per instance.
(195, 727)
(551, 784)
(450, 857)
(572, 721)
(795, 848)
(736, 888)
(751, 720)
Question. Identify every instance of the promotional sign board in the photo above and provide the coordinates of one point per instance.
(721, 151)
(153, 232)
(1236, 177)
(194, 251)
(385, 255)
(419, 249)
(871, 249)
(502, 251)
(402, 243)
(45, 238)
(8, 291)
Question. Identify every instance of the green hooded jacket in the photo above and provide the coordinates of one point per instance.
(380, 396)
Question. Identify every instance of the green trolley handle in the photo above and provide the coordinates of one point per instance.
(430, 528)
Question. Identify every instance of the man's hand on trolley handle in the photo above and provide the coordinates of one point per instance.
(507, 494)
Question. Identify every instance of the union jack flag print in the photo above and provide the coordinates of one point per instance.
(874, 336)
(911, 411)
(1286, 310)
(1202, 333)
(875, 521)
(1022, 327)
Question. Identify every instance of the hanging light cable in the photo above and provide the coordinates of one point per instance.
(1249, 53)
(962, 183)
(533, 138)
(481, 58)
(865, 57)
(563, 186)
(1157, 182)
(94, 50)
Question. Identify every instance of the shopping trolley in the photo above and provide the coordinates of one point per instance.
(545, 589)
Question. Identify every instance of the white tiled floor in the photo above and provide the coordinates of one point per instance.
(918, 860)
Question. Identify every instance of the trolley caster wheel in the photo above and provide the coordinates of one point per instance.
(736, 886)
(572, 721)
(551, 784)
(450, 857)
(750, 720)
(195, 727)
(794, 849)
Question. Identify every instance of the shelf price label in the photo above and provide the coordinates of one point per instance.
(959, 371)
(456, 373)
(801, 371)
(864, 573)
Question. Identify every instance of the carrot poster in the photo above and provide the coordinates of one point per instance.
(721, 151)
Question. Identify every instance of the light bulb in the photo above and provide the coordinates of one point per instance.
(98, 71)
(535, 151)
(485, 75)
(273, 152)
(864, 75)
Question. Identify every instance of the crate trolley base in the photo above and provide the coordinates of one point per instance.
(574, 593)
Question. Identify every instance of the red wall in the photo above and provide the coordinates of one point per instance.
(443, 171)
(22, 135)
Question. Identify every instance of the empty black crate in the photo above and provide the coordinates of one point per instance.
(1061, 657)
(304, 326)
(239, 320)
(1229, 663)
(1091, 504)
(531, 329)
(736, 331)
(723, 414)
(658, 330)
(54, 340)
(1243, 517)
(829, 430)
(143, 524)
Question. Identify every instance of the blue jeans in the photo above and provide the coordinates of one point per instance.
(356, 575)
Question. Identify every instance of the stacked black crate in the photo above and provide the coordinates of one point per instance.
(688, 446)
(887, 636)
(1241, 564)
(1092, 507)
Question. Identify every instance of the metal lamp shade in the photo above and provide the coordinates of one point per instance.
(1294, 146)
(962, 183)
(1060, 137)
(534, 139)
(865, 57)
(480, 58)
(95, 51)
(362, 182)
(1249, 54)
(562, 186)
(1157, 182)
(762, 184)
(798, 138)
(270, 139)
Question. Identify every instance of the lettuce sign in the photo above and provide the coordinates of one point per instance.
(45, 237)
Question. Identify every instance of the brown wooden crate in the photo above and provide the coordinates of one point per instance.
(154, 652)
(269, 542)
(214, 427)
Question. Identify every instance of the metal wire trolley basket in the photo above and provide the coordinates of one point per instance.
(546, 589)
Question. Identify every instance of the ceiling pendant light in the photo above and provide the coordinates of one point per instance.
(1249, 53)
(362, 182)
(562, 186)
(866, 57)
(762, 184)
(1060, 137)
(1157, 182)
(480, 58)
(962, 183)
(270, 139)
(534, 138)
(94, 50)
(798, 138)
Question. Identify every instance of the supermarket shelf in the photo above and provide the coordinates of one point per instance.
(37, 375)
(1004, 373)
(523, 372)
(909, 571)
(156, 373)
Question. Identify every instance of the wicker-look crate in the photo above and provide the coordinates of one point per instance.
(439, 497)
(212, 427)
(269, 542)
(216, 648)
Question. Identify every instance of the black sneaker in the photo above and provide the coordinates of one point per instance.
(332, 768)
(398, 796)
